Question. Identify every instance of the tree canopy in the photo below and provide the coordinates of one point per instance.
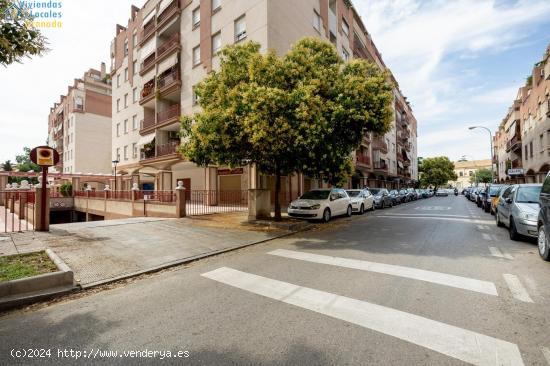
(436, 171)
(18, 37)
(7, 166)
(24, 163)
(482, 176)
(303, 112)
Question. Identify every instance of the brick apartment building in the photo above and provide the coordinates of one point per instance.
(79, 125)
(169, 46)
(523, 138)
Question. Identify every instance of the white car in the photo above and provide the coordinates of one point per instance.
(442, 193)
(321, 204)
(361, 200)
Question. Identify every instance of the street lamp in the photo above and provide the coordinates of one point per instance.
(491, 145)
(115, 162)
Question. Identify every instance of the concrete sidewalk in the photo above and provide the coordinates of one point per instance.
(104, 251)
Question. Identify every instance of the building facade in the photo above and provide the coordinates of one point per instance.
(79, 125)
(466, 170)
(169, 46)
(522, 142)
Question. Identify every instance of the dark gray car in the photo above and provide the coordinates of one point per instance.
(544, 220)
(382, 198)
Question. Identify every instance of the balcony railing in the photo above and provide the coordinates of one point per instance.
(405, 133)
(380, 165)
(147, 30)
(172, 41)
(513, 143)
(166, 13)
(516, 163)
(168, 78)
(148, 89)
(363, 159)
(380, 146)
(148, 122)
(168, 149)
(173, 111)
(147, 63)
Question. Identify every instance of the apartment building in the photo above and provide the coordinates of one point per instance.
(466, 170)
(522, 142)
(79, 125)
(169, 46)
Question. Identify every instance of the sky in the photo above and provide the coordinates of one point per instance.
(460, 64)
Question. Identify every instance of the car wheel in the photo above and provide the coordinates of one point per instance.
(497, 219)
(349, 212)
(362, 209)
(326, 215)
(487, 208)
(383, 205)
(373, 207)
(514, 235)
(544, 247)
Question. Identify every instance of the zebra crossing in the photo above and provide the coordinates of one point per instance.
(450, 340)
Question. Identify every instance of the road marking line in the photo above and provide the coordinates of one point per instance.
(486, 236)
(462, 344)
(546, 353)
(516, 288)
(496, 252)
(438, 217)
(444, 279)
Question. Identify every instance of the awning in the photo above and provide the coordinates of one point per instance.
(147, 49)
(168, 63)
(149, 17)
(163, 5)
(144, 140)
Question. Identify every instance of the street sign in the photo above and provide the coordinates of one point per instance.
(517, 171)
(44, 156)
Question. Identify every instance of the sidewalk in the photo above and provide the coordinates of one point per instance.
(104, 251)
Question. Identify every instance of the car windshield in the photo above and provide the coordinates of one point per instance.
(353, 193)
(529, 194)
(493, 191)
(316, 195)
(374, 191)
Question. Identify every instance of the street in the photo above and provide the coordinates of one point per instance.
(430, 282)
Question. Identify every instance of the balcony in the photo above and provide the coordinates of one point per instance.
(380, 146)
(169, 45)
(516, 163)
(172, 9)
(161, 152)
(147, 123)
(147, 31)
(405, 134)
(358, 49)
(514, 143)
(171, 114)
(78, 108)
(147, 93)
(147, 64)
(168, 79)
(362, 160)
(381, 166)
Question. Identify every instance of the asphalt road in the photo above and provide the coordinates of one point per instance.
(432, 282)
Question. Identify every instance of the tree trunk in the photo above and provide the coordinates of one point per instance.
(277, 198)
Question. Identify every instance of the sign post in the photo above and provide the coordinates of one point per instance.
(45, 157)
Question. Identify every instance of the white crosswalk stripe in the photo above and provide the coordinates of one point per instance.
(496, 252)
(401, 271)
(516, 288)
(546, 354)
(462, 344)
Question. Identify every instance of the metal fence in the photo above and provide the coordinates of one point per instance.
(15, 209)
(204, 202)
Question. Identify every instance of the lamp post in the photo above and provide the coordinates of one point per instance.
(115, 162)
(491, 145)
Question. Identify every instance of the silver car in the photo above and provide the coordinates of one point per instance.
(518, 209)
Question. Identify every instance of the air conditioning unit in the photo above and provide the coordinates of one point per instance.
(240, 36)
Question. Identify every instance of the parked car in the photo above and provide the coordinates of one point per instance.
(412, 194)
(518, 209)
(544, 220)
(441, 192)
(419, 193)
(321, 204)
(382, 197)
(473, 194)
(361, 200)
(396, 197)
(404, 195)
(481, 195)
(494, 193)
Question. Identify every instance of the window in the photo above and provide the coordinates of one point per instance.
(216, 42)
(240, 29)
(195, 96)
(345, 55)
(118, 105)
(196, 17)
(345, 27)
(526, 152)
(134, 67)
(126, 74)
(461, 174)
(126, 152)
(196, 55)
(316, 21)
(126, 100)
(134, 95)
(134, 39)
(125, 126)
(216, 4)
(134, 150)
(118, 129)
(126, 47)
(118, 81)
(134, 122)
(118, 153)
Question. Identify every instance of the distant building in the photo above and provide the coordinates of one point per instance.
(466, 169)
(79, 125)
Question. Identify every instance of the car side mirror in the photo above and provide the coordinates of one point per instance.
(508, 200)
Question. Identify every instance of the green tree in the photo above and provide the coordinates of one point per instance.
(436, 171)
(18, 36)
(303, 112)
(66, 190)
(6, 166)
(24, 163)
(482, 176)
